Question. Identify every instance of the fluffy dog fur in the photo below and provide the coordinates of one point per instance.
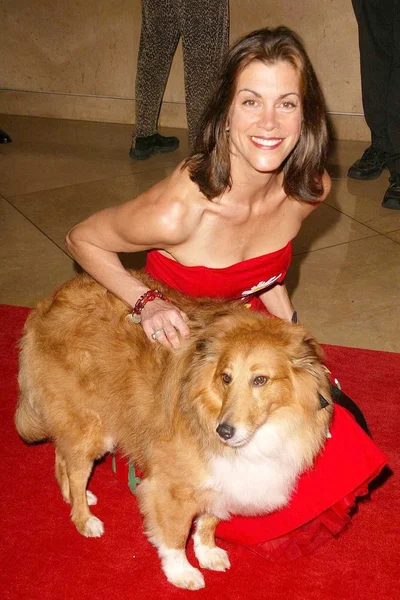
(224, 425)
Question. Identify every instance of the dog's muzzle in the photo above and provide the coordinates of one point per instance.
(225, 431)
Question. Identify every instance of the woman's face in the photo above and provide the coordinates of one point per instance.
(265, 116)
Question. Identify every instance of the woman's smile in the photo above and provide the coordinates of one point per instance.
(268, 143)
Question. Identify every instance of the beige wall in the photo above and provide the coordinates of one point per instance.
(76, 59)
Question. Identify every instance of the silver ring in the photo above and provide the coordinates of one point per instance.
(156, 333)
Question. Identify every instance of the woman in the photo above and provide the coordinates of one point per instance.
(221, 225)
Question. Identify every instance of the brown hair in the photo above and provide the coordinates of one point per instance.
(209, 164)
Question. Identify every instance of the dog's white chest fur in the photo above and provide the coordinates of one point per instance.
(260, 477)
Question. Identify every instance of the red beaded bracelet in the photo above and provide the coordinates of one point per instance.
(136, 314)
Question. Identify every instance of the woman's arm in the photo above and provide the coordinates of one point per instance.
(277, 302)
(150, 221)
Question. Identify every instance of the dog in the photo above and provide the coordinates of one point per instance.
(223, 425)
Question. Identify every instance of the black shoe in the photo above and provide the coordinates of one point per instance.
(392, 197)
(147, 145)
(4, 137)
(370, 165)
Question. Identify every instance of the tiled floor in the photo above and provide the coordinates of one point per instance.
(345, 276)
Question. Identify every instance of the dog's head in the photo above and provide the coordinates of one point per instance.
(247, 370)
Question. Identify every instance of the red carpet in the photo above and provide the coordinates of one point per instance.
(42, 557)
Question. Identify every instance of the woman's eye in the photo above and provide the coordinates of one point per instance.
(260, 380)
(288, 105)
(249, 103)
(226, 378)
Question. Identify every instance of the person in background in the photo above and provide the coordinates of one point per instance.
(204, 29)
(379, 41)
(221, 225)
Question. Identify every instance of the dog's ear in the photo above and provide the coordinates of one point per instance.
(308, 354)
(307, 359)
(211, 331)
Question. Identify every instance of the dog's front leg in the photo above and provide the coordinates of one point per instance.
(207, 553)
(168, 518)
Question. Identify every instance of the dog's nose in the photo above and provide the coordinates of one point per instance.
(225, 431)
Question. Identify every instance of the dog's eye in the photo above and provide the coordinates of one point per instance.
(226, 378)
(260, 380)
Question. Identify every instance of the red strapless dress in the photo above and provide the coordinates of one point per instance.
(350, 460)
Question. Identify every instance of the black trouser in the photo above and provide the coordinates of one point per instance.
(204, 28)
(379, 40)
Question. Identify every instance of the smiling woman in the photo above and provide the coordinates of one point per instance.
(256, 173)
(221, 225)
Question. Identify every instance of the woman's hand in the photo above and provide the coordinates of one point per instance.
(164, 323)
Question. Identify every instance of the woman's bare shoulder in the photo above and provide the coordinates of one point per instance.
(173, 207)
(306, 208)
(177, 193)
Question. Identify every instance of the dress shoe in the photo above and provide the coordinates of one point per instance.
(370, 165)
(392, 197)
(4, 137)
(145, 146)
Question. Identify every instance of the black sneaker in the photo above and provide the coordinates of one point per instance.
(145, 146)
(370, 165)
(4, 137)
(392, 197)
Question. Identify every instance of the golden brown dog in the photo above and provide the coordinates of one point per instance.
(223, 425)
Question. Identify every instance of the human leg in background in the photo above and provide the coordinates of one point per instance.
(379, 31)
(392, 196)
(205, 38)
(158, 41)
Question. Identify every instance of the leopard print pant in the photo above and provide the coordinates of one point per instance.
(204, 28)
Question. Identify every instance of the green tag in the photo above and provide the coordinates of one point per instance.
(132, 479)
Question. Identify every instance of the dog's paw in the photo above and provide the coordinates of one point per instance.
(93, 527)
(188, 578)
(91, 498)
(215, 559)
(178, 570)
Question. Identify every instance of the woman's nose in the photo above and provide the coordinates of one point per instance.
(268, 120)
